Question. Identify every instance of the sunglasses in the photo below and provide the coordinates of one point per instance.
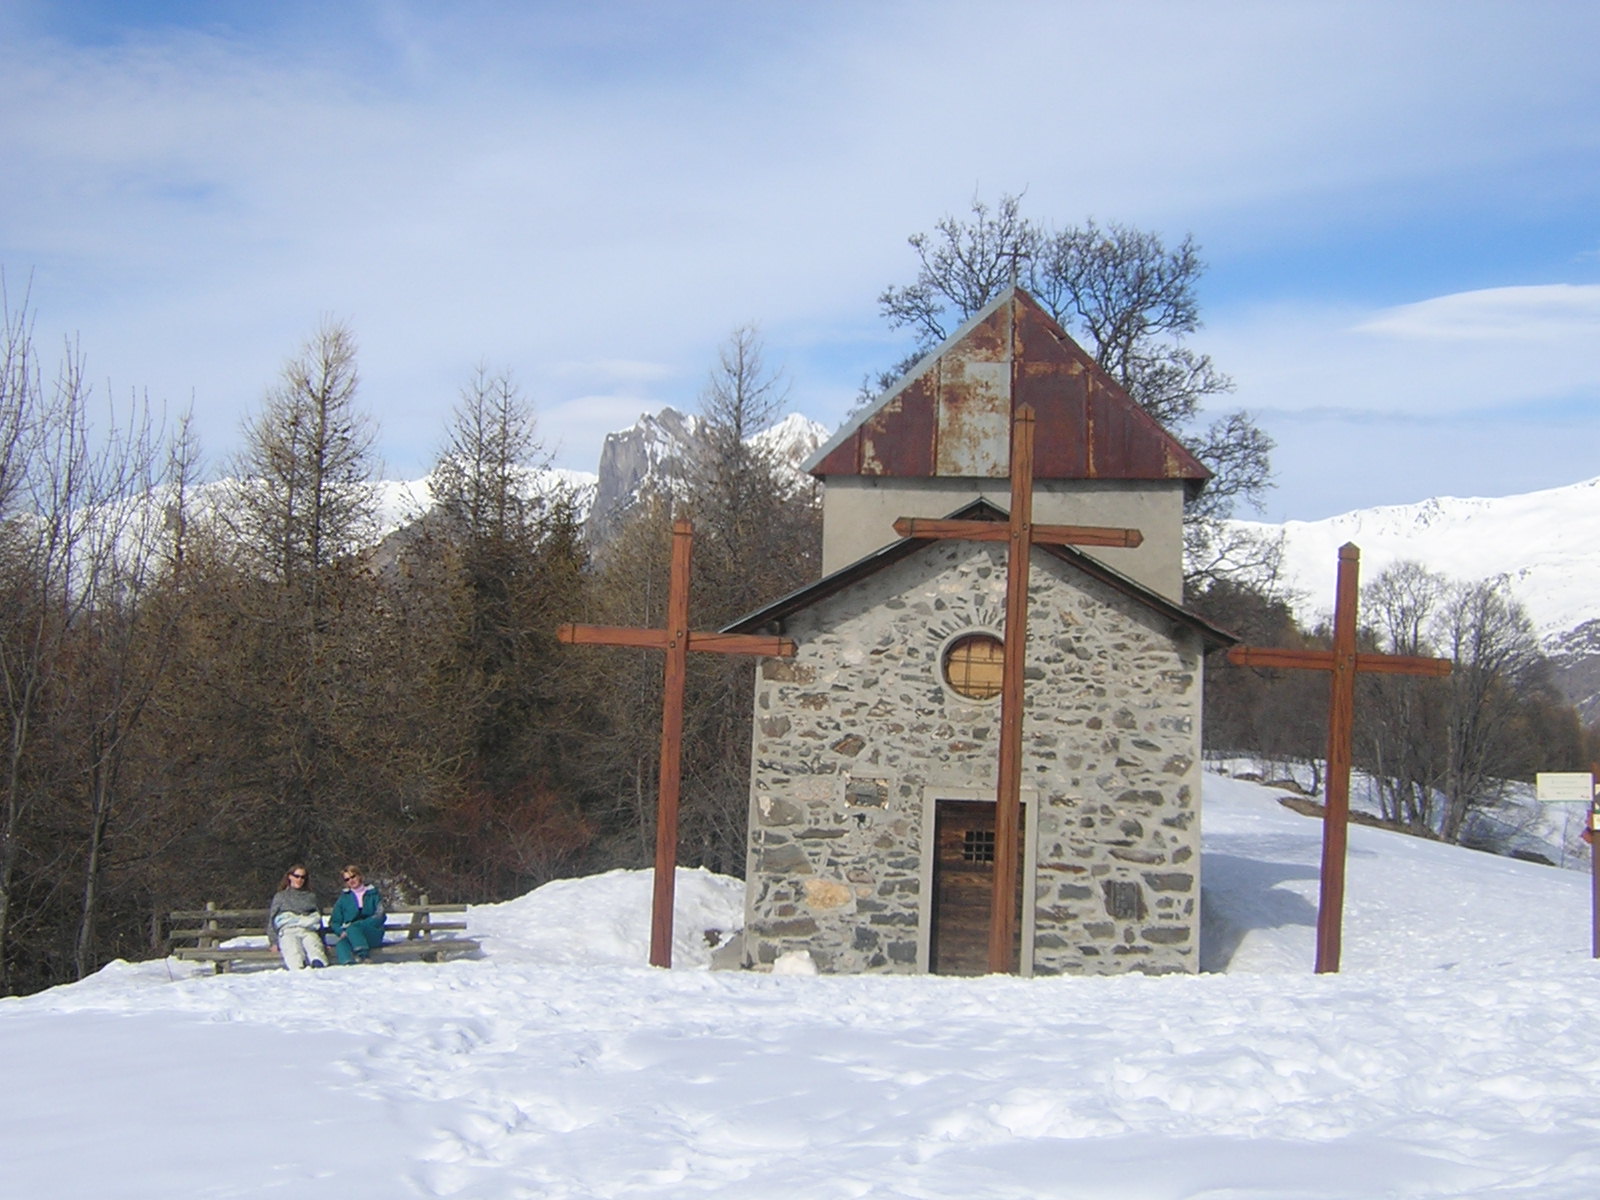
(297, 874)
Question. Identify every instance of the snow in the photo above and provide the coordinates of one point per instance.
(1449, 1058)
(400, 501)
(1539, 541)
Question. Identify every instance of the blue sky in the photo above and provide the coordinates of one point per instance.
(1399, 204)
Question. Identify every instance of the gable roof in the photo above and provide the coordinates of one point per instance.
(950, 415)
(1214, 636)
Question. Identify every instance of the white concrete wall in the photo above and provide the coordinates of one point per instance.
(859, 512)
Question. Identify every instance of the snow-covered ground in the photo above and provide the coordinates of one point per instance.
(1456, 1055)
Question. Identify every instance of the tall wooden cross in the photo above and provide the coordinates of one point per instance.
(1343, 662)
(1021, 534)
(677, 640)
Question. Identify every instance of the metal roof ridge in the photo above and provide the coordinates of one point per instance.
(908, 377)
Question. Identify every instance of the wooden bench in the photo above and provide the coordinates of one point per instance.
(198, 935)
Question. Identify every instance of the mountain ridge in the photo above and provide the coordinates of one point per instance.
(1535, 541)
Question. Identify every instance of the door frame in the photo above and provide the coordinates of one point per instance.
(931, 795)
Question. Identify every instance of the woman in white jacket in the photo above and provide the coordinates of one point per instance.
(294, 922)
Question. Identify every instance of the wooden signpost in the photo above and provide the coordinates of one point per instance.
(1343, 662)
(1573, 787)
(1021, 534)
(677, 640)
(1593, 819)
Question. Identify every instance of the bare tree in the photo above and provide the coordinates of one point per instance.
(1456, 740)
(487, 487)
(963, 266)
(20, 427)
(70, 494)
(487, 477)
(305, 497)
(621, 757)
(1217, 551)
(1128, 297)
(1280, 715)
(128, 636)
(1492, 643)
(757, 537)
(741, 498)
(1135, 300)
(1398, 727)
(1121, 290)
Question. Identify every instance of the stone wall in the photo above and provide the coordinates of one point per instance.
(857, 735)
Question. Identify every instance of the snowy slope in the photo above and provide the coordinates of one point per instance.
(1453, 1057)
(401, 501)
(1541, 541)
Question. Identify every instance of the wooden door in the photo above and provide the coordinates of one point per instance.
(963, 886)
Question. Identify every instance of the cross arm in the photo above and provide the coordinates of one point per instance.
(1000, 531)
(1322, 660)
(1273, 656)
(1403, 664)
(760, 645)
(612, 635)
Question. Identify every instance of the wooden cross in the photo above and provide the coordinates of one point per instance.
(677, 640)
(1021, 534)
(1343, 661)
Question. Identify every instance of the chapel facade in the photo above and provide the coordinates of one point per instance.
(874, 750)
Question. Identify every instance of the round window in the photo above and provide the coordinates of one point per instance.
(973, 665)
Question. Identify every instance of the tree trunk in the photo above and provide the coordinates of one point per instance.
(11, 835)
(83, 953)
(99, 820)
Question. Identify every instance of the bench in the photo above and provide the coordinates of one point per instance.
(199, 935)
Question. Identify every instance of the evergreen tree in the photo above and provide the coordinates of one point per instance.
(513, 542)
(304, 503)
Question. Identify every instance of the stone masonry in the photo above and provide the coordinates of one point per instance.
(858, 735)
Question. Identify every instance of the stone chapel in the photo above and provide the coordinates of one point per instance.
(873, 755)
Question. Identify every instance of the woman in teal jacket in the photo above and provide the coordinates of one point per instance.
(357, 920)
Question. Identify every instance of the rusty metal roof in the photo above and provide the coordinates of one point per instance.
(950, 415)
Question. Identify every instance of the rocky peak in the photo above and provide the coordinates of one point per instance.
(654, 451)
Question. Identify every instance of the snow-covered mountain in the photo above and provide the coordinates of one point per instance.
(793, 439)
(401, 502)
(654, 449)
(1541, 543)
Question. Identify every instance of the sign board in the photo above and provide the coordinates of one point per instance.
(1564, 787)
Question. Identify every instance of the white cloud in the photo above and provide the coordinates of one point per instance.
(1445, 355)
(1551, 313)
(594, 196)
